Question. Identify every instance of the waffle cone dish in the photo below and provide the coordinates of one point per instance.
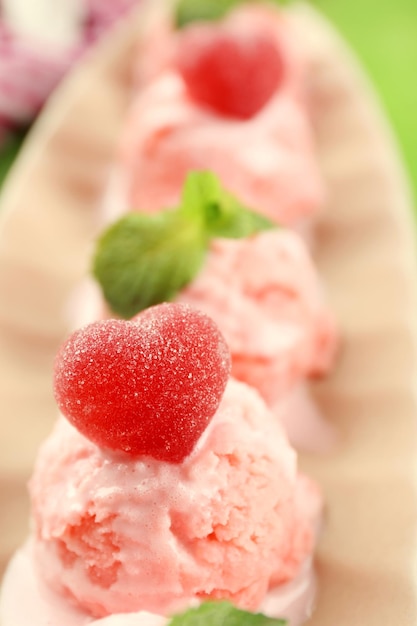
(350, 504)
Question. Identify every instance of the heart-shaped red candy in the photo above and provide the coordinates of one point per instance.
(148, 386)
(232, 71)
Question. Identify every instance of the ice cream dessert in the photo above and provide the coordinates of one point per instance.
(168, 484)
(255, 280)
(226, 96)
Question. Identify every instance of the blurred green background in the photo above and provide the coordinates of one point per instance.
(383, 34)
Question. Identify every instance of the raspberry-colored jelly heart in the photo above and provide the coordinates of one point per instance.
(232, 72)
(148, 386)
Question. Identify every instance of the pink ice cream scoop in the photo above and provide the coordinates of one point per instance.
(267, 158)
(271, 309)
(118, 532)
(148, 535)
(269, 306)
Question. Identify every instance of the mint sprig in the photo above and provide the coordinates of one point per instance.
(222, 613)
(145, 259)
(188, 11)
(222, 214)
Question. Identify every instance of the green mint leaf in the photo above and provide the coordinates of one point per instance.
(222, 613)
(9, 151)
(188, 11)
(222, 214)
(143, 260)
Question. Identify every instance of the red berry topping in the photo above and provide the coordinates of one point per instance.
(147, 386)
(234, 72)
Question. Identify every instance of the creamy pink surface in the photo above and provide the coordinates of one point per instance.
(232, 521)
(43, 607)
(271, 309)
(265, 295)
(268, 161)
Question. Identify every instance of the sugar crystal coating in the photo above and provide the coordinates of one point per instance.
(235, 73)
(148, 386)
